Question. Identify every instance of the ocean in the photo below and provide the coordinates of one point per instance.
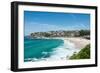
(40, 49)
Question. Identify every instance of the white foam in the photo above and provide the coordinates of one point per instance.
(63, 52)
(45, 53)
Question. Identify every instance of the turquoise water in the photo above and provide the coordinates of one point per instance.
(36, 49)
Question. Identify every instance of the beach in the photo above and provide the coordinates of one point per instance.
(78, 41)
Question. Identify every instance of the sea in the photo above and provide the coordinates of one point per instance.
(46, 49)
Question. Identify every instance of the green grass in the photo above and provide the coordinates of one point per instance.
(83, 54)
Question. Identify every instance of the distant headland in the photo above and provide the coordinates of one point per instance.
(70, 33)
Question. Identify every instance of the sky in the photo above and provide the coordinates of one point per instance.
(53, 21)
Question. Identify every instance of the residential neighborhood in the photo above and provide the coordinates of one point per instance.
(74, 33)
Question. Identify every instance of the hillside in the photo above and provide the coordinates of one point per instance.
(83, 54)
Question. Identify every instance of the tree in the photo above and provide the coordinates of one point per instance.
(84, 32)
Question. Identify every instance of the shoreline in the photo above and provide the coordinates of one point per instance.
(79, 42)
(76, 44)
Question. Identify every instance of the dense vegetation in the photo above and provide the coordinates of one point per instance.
(83, 54)
(84, 32)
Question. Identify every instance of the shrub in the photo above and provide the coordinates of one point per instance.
(83, 54)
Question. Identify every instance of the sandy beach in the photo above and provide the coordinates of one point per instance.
(78, 41)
